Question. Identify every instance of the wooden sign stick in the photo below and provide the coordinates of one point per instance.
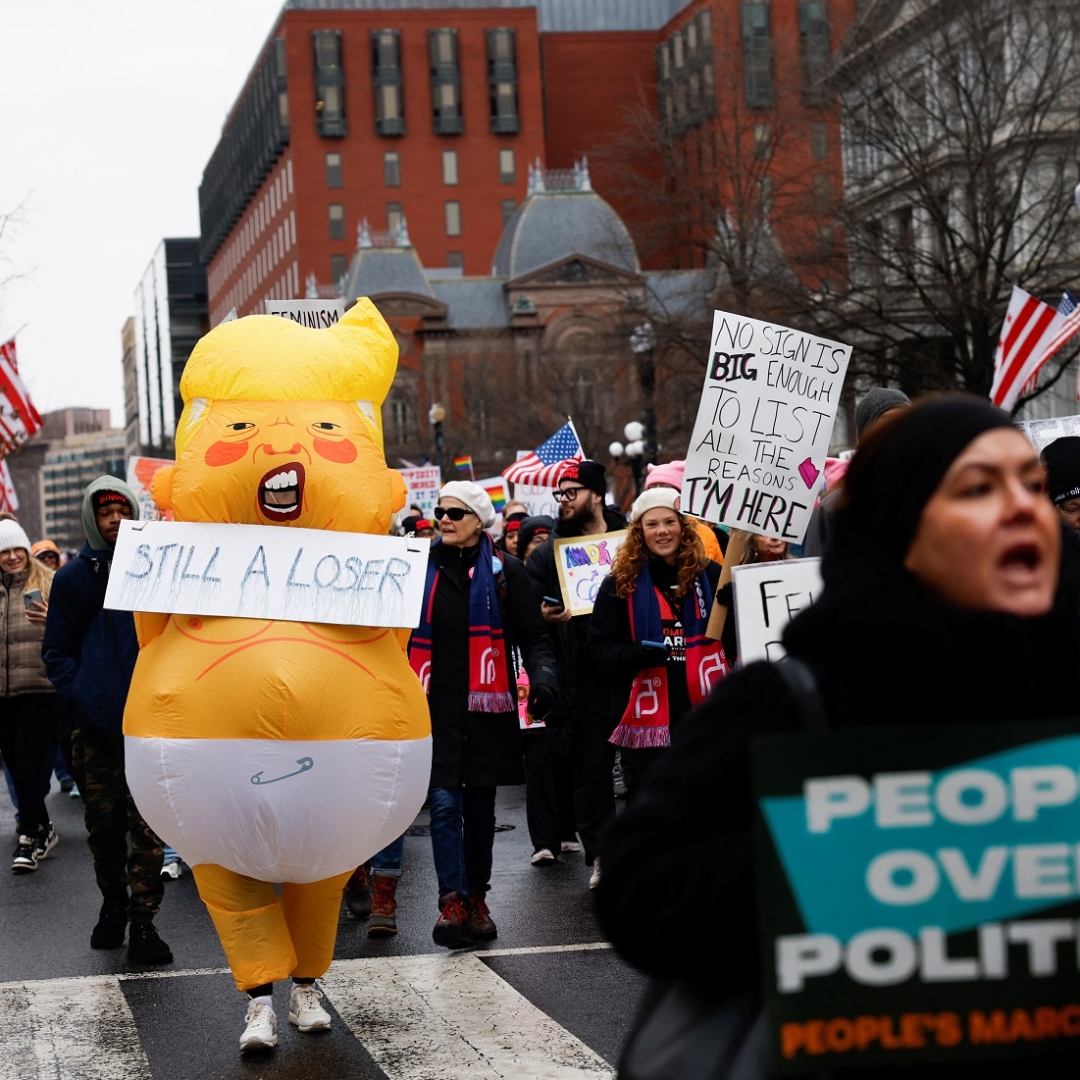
(732, 557)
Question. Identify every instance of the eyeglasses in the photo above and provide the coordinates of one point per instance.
(567, 494)
(454, 513)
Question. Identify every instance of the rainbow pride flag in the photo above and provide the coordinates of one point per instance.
(463, 464)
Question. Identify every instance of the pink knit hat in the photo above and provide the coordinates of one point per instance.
(670, 474)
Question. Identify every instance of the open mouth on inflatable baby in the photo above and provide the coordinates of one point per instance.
(281, 492)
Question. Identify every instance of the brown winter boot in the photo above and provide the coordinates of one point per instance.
(480, 925)
(358, 894)
(383, 921)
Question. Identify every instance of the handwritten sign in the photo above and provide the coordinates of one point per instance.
(314, 314)
(261, 572)
(583, 562)
(1043, 432)
(767, 597)
(140, 474)
(763, 426)
(423, 483)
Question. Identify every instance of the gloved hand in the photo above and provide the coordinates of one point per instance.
(542, 698)
(646, 656)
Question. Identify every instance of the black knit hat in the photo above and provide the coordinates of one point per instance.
(878, 400)
(530, 527)
(590, 474)
(1062, 461)
(892, 477)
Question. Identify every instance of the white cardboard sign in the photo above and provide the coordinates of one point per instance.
(423, 482)
(1043, 432)
(314, 314)
(267, 572)
(763, 426)
(767, 597)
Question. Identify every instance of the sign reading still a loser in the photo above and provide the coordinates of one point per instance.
(583, 562)
(918, 894)
(262, 572)
(763, 426)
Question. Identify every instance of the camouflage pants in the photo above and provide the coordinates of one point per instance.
(111, 817)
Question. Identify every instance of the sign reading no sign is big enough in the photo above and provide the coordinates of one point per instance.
(763, 427)
(919, 891)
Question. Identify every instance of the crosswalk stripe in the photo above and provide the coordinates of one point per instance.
(80, 1029)
(452, 1017)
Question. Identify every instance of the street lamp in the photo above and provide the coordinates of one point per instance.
(643, 345)
(436, 415)
(634, 450)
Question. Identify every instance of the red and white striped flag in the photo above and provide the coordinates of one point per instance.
(1032, 333)
(8, 499)
(19, 420)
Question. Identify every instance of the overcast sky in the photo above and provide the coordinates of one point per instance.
(108, 114)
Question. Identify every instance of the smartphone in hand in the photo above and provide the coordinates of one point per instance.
(553, 602)
(31, 597)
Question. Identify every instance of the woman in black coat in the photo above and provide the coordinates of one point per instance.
(951, 596)
(478, 607)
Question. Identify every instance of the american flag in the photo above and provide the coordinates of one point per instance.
(1032, 333)
(543, 466)
(19, 419)
(8, 499)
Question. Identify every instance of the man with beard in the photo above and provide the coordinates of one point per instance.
(584, 714)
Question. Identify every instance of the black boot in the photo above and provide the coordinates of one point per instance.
(144, 945)
(358, 894)
(111, 924)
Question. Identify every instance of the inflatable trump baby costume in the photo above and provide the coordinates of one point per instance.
(279, 752)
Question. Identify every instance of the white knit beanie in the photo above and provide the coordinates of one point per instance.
(651, 498)
(13, 536)
(473, 496)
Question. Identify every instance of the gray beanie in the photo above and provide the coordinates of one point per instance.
(878, 400)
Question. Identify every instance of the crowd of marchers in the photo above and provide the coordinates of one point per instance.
(951, 568)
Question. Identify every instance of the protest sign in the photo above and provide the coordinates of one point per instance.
(1043, 432)
(261, 572)
(583, 562)
(918, 893)
(537, 500)
(498, 491)
(423, 484)
(767, 597)
(314, 314)
(140, 474)
(763, 426)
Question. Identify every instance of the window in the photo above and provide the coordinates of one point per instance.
(819, 140)
(507, 168)
(339, 267)
(763, 142)
(822, 193)
(453, 218)
(905, 230)
(445, 82)
(337, 221)
(664, 60)
(449, 168)
(705, 26)
(400, 426)
(757, 54)
(814, 50)
(282, 85)
(391, 162)
(394, 215)
(387, 79)
(329, 84)
(509, 208)
(502, 82)
(677, 51)
(333, 170)
(455, 260)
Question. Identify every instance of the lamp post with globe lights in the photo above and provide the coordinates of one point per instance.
(643, 345)
(436, 416)
(634, 451)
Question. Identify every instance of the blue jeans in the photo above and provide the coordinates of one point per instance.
(388, 861)
(462, 838)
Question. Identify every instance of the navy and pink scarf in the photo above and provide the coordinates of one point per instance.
(647, 720)
(489, 688)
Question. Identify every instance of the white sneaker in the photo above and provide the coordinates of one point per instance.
(171, 870)
(543, 857)
(304, 1008)
(569, 845)
(261, 1030)
(594, 878)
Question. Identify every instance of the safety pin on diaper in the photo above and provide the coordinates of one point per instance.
(305, 763)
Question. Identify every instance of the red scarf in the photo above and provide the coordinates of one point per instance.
(647, 720)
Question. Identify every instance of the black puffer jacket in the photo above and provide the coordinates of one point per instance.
(479, 748)
(883, 653)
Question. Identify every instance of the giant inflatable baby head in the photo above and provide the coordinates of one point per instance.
(281, 426)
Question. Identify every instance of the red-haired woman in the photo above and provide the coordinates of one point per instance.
(647, 630)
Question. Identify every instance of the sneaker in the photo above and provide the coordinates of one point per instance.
(569, 845)
(44, 842)
(74, 793)
(111, 925)
(261, 1030)
(67, 785)
(357, 894)
(171, 870)
(383, 921)
(543, 857)
(480, 923)
(594, 877)
(24, 861)
(304, 1008)
(144, 945)
(451, 929)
